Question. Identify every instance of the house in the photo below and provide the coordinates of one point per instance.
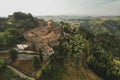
(11, 18)
(49, 22)
(47, 51)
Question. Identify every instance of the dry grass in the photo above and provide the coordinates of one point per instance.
(2, 55)
(117, 62)
(24, 65)
(78, 72)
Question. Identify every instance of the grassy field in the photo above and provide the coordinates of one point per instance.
(78, 72)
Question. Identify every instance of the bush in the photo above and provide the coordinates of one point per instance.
(2, 64)
(102, 64)
(13, 54)
(35, 62)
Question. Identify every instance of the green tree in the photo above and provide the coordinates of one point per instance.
(35, 62)
(10, 37)
(20, 16)
(102, 63)
(65, 26)
(13, 54)
(76, 45)
(2, 64)
(40, 55)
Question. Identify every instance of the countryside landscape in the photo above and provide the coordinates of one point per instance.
(60, 46)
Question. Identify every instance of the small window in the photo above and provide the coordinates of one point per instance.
(51, 50)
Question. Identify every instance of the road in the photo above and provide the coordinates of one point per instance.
(5, 51)
(26, 56)
(20, 51)
(20, 73)
(29, 52)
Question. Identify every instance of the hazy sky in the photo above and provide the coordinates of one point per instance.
(61, 7)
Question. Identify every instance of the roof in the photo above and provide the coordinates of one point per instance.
(22, 46)
(47, 48)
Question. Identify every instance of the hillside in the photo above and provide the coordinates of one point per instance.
(86, 51)
(15, 25)
(82, 55)
(75, 71)
(106, 33)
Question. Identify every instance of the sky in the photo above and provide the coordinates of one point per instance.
(61, 7)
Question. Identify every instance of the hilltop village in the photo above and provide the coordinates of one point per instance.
(32, 38)
(75, 49)
(44, 37)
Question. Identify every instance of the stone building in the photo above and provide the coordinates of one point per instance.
(43, 37)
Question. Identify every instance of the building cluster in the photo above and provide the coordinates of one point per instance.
(44, 37)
